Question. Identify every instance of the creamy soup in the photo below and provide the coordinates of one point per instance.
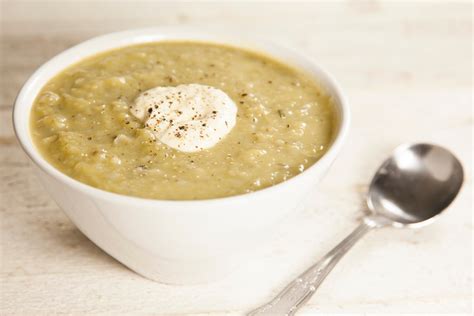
(89, 121)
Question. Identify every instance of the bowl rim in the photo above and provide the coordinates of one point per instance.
(156, 34)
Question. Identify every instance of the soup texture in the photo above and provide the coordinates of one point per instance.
(81, 122)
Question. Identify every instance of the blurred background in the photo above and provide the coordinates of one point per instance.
(406, 67)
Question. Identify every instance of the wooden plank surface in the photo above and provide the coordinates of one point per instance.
(406, 68)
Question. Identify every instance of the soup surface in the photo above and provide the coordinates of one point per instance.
(81, 122)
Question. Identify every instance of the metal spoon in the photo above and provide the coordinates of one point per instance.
(410, 189)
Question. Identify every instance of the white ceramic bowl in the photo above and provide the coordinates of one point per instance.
(178, 242)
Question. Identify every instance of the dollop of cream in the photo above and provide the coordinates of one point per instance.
(188, 117)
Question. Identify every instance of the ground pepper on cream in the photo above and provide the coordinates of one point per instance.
(188, 117)
(82, 124)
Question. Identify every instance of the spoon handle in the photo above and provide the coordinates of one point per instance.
(300, 290)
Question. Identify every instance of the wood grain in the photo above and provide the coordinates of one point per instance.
(406, 68)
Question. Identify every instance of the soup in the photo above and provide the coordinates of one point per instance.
(82, 122)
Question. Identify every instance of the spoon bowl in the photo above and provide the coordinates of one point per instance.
(415, 185)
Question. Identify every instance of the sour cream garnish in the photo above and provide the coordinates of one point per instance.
(188, 117)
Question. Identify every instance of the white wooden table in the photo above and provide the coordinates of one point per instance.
(407, 71)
